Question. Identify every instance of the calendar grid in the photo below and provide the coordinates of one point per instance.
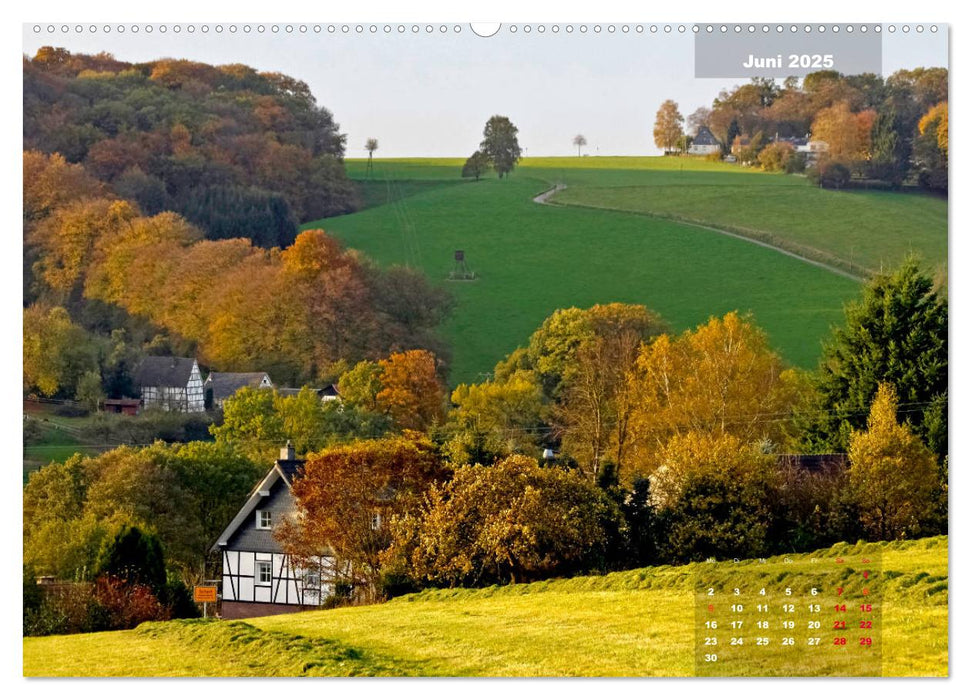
(782, 617)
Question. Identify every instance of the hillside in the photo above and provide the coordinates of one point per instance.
(532, 259)
(633, 623)
(857, 230)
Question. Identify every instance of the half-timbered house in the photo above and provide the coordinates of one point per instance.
(258, 576)
(170, 383)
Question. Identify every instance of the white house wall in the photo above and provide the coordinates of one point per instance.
(286, 585)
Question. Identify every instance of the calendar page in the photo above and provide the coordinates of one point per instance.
(782, 617)
(416, 347)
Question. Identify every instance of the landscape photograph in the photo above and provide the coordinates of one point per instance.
(427, 350)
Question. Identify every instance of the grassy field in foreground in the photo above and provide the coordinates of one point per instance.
(632, 623)
(533, 259)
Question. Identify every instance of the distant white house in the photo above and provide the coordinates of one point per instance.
(258, 576)
(221, 385)
(704, 143)
(171, 383)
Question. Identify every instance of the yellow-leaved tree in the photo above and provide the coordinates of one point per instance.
(892, 474)
(719, 378)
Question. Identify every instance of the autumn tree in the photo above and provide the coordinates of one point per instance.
(66, 242)
(495, 418)
(346, 496)
(579, 141)
(500, 144)
(476, 165)
(892, 473)
(847, 134)
(169, 119)
(510, 522)
(930, 148)
(668, 126)
(411, 391)
(597, 403)
(720, 378)
(50, 182)
(57, 353)
(775, 157)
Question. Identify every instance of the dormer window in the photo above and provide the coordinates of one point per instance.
(264, 520)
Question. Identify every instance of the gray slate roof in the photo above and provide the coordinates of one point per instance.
(704, 137)
(225, 384)
(242, 533)
(248, 538)
(164, 371)
(329, 390)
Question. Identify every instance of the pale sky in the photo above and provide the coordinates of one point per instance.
(430, 94)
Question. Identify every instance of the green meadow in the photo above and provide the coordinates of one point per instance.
(631, 623)
(531, 259)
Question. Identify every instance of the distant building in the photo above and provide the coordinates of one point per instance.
(128, 407)
(704, 143)
(327, 393)
(804, 144)
(221, 385)
(258, 577)
(170, 383)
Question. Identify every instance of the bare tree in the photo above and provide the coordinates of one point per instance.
(371, 145)
(579, 141)
(697, 119)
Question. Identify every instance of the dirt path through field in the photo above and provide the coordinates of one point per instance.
(543, 198)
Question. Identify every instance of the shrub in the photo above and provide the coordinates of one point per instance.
(796, 164)
(713, 495)
(124, 605)
(776, 156)
(815, 509)
(134, 557)
(830, 174)
(66, 608)
(714, 157)
(178, 599)
(510, 522)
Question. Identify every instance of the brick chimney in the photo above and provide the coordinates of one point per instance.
(287, 452)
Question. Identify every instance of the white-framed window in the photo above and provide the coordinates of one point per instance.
(264, 520)
(311, 579)
(264, 572)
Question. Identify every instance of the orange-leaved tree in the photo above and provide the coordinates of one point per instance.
(347, 495)
(412, 392)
